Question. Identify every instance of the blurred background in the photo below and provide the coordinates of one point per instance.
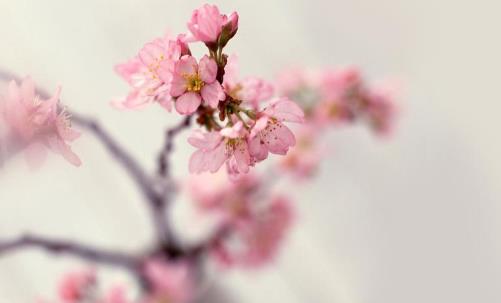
(410, 219)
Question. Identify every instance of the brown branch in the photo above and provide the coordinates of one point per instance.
(130, 165)
(157, 198)
(170, 134)
(80, 251)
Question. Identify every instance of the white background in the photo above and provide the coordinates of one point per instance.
(413, 219)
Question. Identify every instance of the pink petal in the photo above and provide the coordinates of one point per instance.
(60, 147)
(231, 71)
(212, 94)
(284, 109)
(187, 65)
(198, 162)
(35, 155)
(151, 53)
(278, 138)
(260, 125)
(242, 157)
(258, 149)
(205, 141)
(218, 157)
(188, 103)
(177, 85)
(207, 69)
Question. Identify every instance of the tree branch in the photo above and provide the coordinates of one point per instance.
(170, 134)
(80, 251)
(130, 165)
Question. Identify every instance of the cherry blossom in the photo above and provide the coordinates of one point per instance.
(39, 124)
(149, 74)
(207, 24)
(171, 282)
(193, 83)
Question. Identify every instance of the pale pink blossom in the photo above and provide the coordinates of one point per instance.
(381, 109)
(251, 90)
(269, 134)
(39, 124)
(116, 294)
(149, 74)
(215, 148)
(76, 286)
(225, 200)
(171, 282)
(207, 24)
(256, 241)
(303, 160)
(290, 81)
(194, 83)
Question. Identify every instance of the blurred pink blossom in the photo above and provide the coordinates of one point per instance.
(38, 124)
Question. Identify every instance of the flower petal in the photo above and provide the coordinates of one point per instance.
(188, 103)
(207, 69)
(212, 94)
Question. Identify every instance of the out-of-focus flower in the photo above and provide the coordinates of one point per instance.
(38, 124)
(170, 282)
(381, 109)
(255, 241)
(77, 286)
(193, 83)
(303, 160)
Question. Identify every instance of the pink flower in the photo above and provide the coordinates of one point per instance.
(193, 83)
(251, 90)
(215, 148)
(115, 295)
(150, 73)
(171, 282)
(381, 109)
(255, 241)
(230, 28)
(39, 124)
(292, 80)
(269, 134)
(303, 160)
(207, 24)
(76, 286)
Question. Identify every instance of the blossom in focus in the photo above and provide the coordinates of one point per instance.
(38, 124)
(77, 286)
(193, 83)
(149, 74)
(207, 24)
(215, 148)
(269, 134)
(170, 282)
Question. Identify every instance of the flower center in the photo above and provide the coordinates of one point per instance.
(194, 83)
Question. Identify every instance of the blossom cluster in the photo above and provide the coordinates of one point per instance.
(241, 122)
(168, 282)
(252, 221)
(332, 97)
(36, 125)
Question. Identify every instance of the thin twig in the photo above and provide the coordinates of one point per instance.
(130, 165)
(80, 251)
(163, 159)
